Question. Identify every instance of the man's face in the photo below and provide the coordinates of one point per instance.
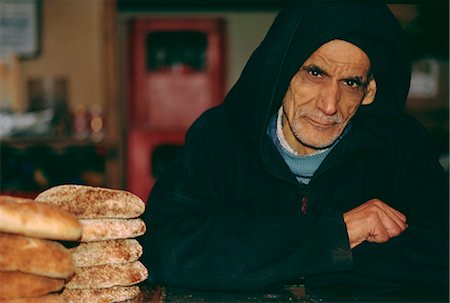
(324, 94)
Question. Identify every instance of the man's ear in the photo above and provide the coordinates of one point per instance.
(371, 90)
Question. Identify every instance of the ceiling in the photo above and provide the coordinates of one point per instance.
(177, 5)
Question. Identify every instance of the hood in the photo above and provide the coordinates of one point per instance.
(298, 30)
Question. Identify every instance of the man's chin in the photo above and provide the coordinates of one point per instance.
(318, 146)
(316, 143)
(316, 139)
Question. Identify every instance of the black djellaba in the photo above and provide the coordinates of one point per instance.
(227, 215)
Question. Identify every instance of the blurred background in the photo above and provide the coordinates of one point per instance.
(101, 92)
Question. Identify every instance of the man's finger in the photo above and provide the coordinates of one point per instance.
(391, 223)
(389, 209)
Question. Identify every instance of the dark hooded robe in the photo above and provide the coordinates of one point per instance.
(227, 214)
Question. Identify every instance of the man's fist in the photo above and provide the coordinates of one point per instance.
(374, 221)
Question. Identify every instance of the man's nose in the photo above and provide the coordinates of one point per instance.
(329, 98)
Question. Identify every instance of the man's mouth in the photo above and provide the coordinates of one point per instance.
(321, 124)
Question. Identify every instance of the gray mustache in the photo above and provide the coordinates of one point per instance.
(320, 117)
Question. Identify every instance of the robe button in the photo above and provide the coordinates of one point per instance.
(304, 203)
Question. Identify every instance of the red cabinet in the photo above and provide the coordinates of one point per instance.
(177, 72)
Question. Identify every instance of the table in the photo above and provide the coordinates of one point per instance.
(164, 294)
(152, 293)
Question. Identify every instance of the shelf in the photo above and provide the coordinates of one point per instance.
(55, 142)
(30, 165)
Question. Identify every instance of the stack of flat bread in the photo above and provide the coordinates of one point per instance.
(107, 266)
(33, 264)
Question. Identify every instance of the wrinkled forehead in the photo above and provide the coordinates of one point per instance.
(340, 53)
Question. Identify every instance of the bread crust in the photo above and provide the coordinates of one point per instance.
(106, 252)
(88, 202)
(111, 229)
(15, 284)
(35, 256)
(101, 295)
(27, 217)
(106, 276)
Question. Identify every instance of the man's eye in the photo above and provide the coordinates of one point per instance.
(315, 73)
(352, 83)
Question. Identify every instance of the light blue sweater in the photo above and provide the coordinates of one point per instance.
(303, 167)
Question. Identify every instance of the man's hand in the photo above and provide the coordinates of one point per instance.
(374, 221)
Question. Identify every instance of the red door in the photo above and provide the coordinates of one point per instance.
(177, 72)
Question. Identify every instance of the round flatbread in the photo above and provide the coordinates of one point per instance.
(111, 229)
(27, 217)
(101, 295)
(105, 276)
(106, 252)
(35, 256)
(89, 202)
(15, 284)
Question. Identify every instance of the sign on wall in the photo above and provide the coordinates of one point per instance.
(19, 27)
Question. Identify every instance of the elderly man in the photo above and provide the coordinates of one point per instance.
(310, 169)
